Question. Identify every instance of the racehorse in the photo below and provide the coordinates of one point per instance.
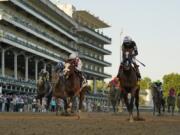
(44, 88)
(115, 96)
(129, 85)
(171, 99)
(158, 101)
(68, 86)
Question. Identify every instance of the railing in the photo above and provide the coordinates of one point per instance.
(94, 44)
(96, 72)
(50, 20)
(29, 45)
(18, 82)
(93, 30)
(94, 59)
(28, 25)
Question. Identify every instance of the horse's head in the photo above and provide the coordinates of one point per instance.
(42, 83)
(43, 76)
(69, 69)
(128, 61)
(156, 89)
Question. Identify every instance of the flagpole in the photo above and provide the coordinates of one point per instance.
(121, 45)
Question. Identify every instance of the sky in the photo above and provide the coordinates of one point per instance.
(153, 24)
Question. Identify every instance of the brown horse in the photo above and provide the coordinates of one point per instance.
(115, 96)
(44, 88)
(129, 85)
(68, 86)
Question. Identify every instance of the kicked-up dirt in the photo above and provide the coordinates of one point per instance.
(89, 124)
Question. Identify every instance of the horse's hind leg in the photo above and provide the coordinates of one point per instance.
(173, 106)
(126, 101)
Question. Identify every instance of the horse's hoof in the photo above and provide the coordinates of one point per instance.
(131, 120)
(78, 117)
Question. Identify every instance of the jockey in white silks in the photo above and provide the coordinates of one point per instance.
(78, 66)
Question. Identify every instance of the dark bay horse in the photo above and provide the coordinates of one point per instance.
(68, 86)
(171, 101)
(44, 88)
(115, 96)
(129, 85)
(158, 100)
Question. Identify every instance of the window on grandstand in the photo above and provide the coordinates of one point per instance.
(86, 65)
(100, 69)
(100, 57)
(95, 55)
(91, 67)
(96, 68)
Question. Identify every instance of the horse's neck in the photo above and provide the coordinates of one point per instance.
(128, 76)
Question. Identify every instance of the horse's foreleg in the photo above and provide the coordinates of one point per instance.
(159, 109)
(65, 105)
(168, 108)
(56, 106)
(154, 109)
(78, 101)
(131, 108)
(126, 102)
(173, 110)
(137, 105)
(114, 106)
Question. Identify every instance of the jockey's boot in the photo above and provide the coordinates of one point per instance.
(137, 71)
(120, 69)
(83, 81)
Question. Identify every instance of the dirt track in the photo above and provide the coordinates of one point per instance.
(89, 124)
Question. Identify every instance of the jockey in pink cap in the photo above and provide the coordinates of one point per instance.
(172, 92)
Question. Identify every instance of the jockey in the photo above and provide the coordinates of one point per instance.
(115, 82)
(78, 65)
(130, 46)
(44, 73)
(172, 92)
(59, 67)
(159, 85)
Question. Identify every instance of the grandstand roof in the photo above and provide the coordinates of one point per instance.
(90, 19)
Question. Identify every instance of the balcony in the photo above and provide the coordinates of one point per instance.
(45, 19)
(22, 24)
(91, 32)
(104, 63)
(23, 44)
(52, 40)
(95, 73)
(91, 44)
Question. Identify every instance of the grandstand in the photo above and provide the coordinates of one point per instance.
(36, 34)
